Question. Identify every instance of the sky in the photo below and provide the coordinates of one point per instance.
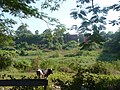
(63, 14)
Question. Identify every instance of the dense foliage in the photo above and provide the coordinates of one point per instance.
(94, 18)
(6, 59)
(73, 69)
(24, 9)
(77, 64)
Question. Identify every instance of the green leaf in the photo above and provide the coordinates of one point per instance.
(94, 19)
(74, 14)
(105, 10)
(87, 1)
(101, 27)
(86, 23)
(102, 20)
(80, 16)
(96, 10)
(83, 13)
(94, 27)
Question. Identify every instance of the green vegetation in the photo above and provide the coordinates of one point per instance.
(91, 64)
(95, 67)
(73, 69)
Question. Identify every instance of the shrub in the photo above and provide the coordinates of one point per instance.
(55, 55)
(61, 79)
(65, 69)
(12, 70)
(99, 68)
(22, 64)
(86, 81)
(23, 53)
(9, 48)
(36, 63)
(58, 46)
(116, 64)
(5, 59)
(70, 45)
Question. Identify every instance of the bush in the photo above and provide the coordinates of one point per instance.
(22, 64)
(9, 48)
(58, 46)
(94, 82)
(99, 68)
(86, 81)
(65, 69)
(36, 63)
(23, 53)
(70, 45)
(116, 64)
(5, 59)
(55, 55)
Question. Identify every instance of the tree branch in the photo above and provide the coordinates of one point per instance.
(92, 4)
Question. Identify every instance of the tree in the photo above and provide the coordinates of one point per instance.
(81, 37)
(5, 40)
(6, 31)
(58, 34)
(24, 9)
(113, 44)
(58, 38)
(110, 35)
(70, 45)
(96, 23)
(107, 36)
(36, 32)
(23, 34)
(22, 30)
(47, 38)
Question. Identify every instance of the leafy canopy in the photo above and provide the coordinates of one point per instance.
(24, 9)
(94, 18)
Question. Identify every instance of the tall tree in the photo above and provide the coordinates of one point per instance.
(113, 44)
(22, 30)
(23, 34)
(93, 17)
(58, 34)
(6, 31)
(24, 9)
(47, 38)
